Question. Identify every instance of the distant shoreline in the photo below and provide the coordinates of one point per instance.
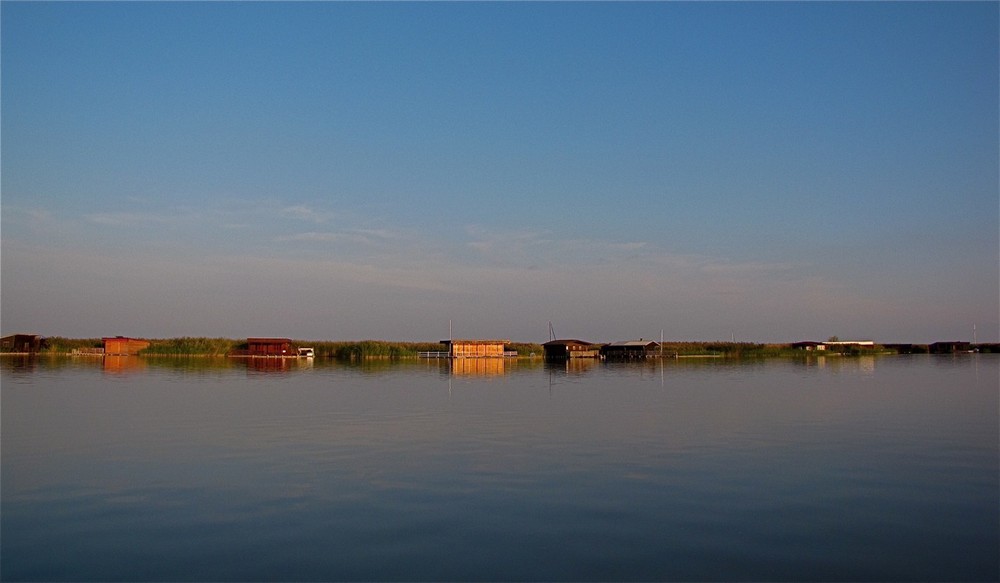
(383, 349)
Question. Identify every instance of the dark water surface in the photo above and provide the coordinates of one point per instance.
(856, 469)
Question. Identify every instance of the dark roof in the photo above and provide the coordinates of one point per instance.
(567, 342)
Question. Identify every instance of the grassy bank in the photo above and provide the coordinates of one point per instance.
(354, 350)
(341, 350)
(382, 349)
(362, 349)
(190, 346)
(60, 345)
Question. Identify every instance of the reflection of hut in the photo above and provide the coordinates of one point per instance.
(121, 363)
(269, 364)
(629, 349)
(475, 348)
(563, 349)
(270, 347)
(478, 367)
(571, 365)
(120, 345)
(29, 343)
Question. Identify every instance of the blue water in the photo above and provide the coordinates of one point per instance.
(846, 469)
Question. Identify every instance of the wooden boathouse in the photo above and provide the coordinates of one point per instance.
(571, 348)
(123, 346)
(270, 347)
(630, 349)
(22, 343)
(475, 348)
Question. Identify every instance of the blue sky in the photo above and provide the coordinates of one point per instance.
(769, 171)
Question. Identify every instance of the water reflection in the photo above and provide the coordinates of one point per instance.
(478, 367)
(863, 363)
(465, 367)
(572, 365)
(21, 363)
(120, 364)
(764, 470)
(270, 365)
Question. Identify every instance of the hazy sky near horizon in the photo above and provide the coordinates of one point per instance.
(769, 171)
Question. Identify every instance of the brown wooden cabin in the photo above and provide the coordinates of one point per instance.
(950, 347)
(630, 349)
(563, 349)
(26, 343)
(123, 346)
(270, 347)
(475, 348)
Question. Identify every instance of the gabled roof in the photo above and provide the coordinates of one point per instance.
(634, 343)
(567, 342)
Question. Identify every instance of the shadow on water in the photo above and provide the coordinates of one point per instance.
(467, 367)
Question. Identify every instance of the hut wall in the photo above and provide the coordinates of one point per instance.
(475, 348)
(21, 343)
(629, 350)
(269, 347)
(124, 346)
(562, 349)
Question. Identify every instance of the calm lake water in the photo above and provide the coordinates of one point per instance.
(847, 469)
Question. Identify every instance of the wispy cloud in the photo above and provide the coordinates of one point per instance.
(359, 236)
(39, 215)
(18, 214)
(506, 242)
(303, 212)
(125, 219)
(537, 248)
(751, 267)
(314, 236)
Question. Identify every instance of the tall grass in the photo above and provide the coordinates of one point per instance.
(189, 346)
(526, 348)
(362, 349)
(60, 345)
